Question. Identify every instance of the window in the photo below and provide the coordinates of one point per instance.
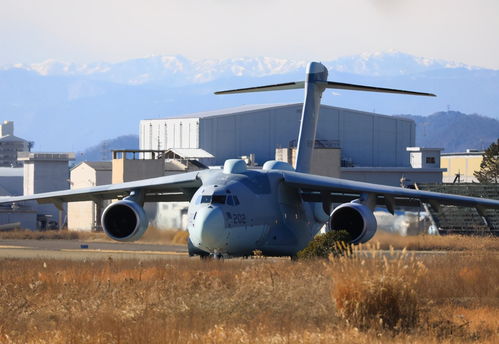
(430, 160)
(219, 199)
(236, 201)
(230, 201)
(205, 199)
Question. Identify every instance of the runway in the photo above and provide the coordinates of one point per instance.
(84, 250)
(79, 250)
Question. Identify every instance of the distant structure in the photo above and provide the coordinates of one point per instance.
(365, 139)
(86, 215)
(465, 220)
(461, 166)
(20, 216)
(10, 145)
(45, 172)
(129, 165)
(350, 144)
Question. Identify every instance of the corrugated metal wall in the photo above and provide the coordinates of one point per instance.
(366, 139)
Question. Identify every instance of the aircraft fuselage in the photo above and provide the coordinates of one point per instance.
(235, 214)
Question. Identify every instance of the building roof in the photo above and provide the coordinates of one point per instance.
(96, 165)
(473, 153)
(227, 111)
(45, 156)
(11, 138)
(100, 165)
(190, 153)
(257, 107)
(421, 149)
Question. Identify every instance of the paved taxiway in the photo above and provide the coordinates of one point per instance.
(74, 249)
(81, 250)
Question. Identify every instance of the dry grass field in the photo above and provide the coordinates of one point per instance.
(152, 236)
(366, 298)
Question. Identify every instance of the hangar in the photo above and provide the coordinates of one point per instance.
(365, 139)
(369, 147)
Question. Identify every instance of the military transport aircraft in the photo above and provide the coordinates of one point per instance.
(277, 210)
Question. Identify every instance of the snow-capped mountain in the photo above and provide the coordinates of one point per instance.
(390, 64)
(68, 106)
(180, 70)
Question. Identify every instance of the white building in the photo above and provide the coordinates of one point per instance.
(86, 215)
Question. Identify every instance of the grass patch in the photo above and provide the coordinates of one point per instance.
(333, 243)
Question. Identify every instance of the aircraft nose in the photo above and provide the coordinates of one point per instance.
(209, 229)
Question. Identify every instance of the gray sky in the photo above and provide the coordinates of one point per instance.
(114, 30)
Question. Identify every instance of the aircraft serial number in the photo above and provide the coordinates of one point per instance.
(239, 219)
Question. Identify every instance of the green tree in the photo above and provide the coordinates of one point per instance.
(489, 168)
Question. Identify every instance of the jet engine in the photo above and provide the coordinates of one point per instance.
(357, 219)
(124, 220)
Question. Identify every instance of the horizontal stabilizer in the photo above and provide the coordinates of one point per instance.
(276, 87)
(353, 87)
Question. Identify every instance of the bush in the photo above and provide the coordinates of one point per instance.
(335, 243)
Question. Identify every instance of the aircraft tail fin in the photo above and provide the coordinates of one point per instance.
(315, 84)
(276, 87)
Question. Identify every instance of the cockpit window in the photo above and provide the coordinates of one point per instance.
(220, 199)
(206, 199)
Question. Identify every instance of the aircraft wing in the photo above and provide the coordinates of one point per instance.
(177, 187)
(332, 187)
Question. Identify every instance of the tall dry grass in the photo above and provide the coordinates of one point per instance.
(385, 240)
(368, 297)
(153, 235)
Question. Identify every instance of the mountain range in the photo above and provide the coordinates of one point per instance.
(69, 107)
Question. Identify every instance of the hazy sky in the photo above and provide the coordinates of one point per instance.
(113, 30)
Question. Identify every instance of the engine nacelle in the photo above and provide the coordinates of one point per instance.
(357, 219)
(124, 220)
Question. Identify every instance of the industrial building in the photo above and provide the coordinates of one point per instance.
(461, 166)
(10, 145)
(11, 184)
(366, 139)
(126, 166)
(41, 172)
(353, 144)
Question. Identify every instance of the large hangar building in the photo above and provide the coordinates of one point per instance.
(365, 139)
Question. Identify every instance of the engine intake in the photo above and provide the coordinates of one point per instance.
(124, 220)
(357, 219)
